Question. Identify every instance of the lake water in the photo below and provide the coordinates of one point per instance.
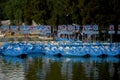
(39, 67)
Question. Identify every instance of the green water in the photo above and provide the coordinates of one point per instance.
(52, 68)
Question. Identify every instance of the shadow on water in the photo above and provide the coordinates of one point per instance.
(39, 67)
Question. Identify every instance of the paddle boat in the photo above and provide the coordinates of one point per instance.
(113, 51)
(51, 50)
(33, 48)
(83, 49)
(62, 48)
(95, 51)
(13, 49)
(70, 51)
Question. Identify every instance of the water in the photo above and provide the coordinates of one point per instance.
(39, 67)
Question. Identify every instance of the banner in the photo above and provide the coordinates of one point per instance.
(59, 27)
(23, 28)
(64, 32)
(64, 27)
(87, 27)
(77, 27)
(69, 27)
(25, 32)
(32, 28)
(95, 27)
(118, 27)
(38, 28)
(14, 28)
(118, 32)
(83, 28)
(90, 29)
(43, 29)
(111, 29)
(5, 28)
(48, 29)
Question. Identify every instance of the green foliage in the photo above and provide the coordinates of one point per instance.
(2, 13)
(14, 10)
(101, 12)
(55, 12)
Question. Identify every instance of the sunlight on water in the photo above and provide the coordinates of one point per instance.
(64, 68)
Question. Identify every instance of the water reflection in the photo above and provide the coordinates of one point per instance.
(38, 67)
(11, 69)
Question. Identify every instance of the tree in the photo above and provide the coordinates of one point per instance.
(37, 10)
(101, 12)
(2, 13)
(14, 10)
(53, 12)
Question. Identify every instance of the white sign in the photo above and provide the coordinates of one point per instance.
(90, 32)
(111, 32)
